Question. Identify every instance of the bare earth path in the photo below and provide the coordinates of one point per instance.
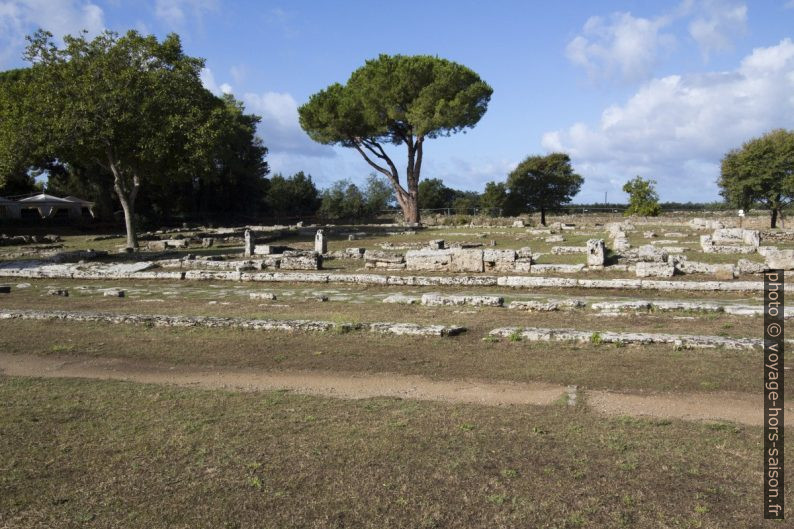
(741, 408)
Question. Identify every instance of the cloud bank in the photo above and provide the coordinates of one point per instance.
(676, 128)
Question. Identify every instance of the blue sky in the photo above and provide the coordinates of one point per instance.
(660, 89)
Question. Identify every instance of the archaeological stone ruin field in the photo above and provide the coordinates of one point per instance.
(488, 343)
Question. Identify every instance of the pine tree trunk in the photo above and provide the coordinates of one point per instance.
(543, 216)
(774, 218)
(129, 222)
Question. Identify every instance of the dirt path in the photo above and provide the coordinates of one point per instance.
(737, 407)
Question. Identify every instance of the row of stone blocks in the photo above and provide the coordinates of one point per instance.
(161, 320)
(391, 280)
(411, 329)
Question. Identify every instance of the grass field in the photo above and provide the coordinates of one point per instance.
(110, 454)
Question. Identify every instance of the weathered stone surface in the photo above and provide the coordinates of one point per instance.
(207, 242)
(268, 296)
(320, 242)
(568, 250)
(176, 243)
(58, 292)
(782, 259)
(596, 253)
(301, 262)
(654, 270)
(705, 224)
(466, 261)
(157, 246)
(401, 299)
(678, 340)
(651, 254)
(355, 253)
(745, 266)
(499, 260)
(413, 329)
(518, 223)
(696, 267)
(436, 244)
(439, 299)
(249, 243)
(560, 268)
(693, 306)
(555, 238)
(621, 306)
(532, 282)
(546, 306)
(114, 293)
(431, 260)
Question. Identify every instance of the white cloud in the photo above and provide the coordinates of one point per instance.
(60, 17)
(627, 47)
(280, 128)
(208, 80)
(677, 128)
(176, 12)
(620, 46)
(716, 25)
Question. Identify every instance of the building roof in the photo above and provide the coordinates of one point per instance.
(43, 198)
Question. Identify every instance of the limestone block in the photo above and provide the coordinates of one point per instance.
(644, 269)
(477, 301)
(466, 261)
(596, 252)
(651, 254)
(320, 242)
(782, 259)
(401, 299)
(436, 244)
(499, 260)
(435, 260)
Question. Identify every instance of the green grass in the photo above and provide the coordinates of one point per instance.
(630, 367)
(110, 454)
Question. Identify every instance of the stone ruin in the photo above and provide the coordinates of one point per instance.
(469, 260)
(320, 242)
(596, 253)
(731, 241)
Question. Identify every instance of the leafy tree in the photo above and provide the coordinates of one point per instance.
(378, 194)
(761, 172)
(543, 183)
(433, 194)
(402, 100)
(465, 202)
(494, 198)
(643, 199)
(19, 149)
(343, 200)
(293, 196)
(131, 104)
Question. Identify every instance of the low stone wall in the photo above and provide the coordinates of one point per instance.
(143, 271)
(537, 334)
(477, 301)
(160, 320)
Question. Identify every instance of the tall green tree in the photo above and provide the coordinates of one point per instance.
(761, 172)
(643, 199)
(402, 100)
(433, 194)
(131, 104)
(378, 194)
(293, 196)
(494, 198)
(543, 183)
(343, 200)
